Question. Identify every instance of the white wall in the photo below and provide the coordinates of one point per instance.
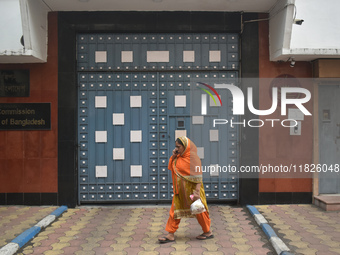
(317, 37)
(280, 27)
(321, 27)
(26, 18)
(10, 27)
(34, 16)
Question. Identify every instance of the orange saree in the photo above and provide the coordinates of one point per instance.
(186, 174)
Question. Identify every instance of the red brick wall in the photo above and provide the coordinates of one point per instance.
(276, 146)
(29, 159)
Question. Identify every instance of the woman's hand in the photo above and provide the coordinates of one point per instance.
(174, 153)
(196, 195)
(196, 192)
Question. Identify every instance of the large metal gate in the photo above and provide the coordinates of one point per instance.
(134, 100)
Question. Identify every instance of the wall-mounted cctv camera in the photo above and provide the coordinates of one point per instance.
(292, 63)
(298, 21)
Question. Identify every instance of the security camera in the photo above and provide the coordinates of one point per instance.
(292, 63)
(298, 21)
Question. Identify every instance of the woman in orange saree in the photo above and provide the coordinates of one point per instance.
(185, 166)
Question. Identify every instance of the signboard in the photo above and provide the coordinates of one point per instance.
(14, 83)
(25, 116)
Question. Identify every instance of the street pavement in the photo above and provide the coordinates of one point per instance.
(305, 229)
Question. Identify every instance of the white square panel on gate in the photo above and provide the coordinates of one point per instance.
(212, 103)
(295, 114)
(180, 101)
(100, 102)
(179, 133)
(157, 56)
(213, 169)
(136, 171)
(214, 56)
(214, 135)
(118, 119)
(200, 152)
(127, 57)
(101, 136)
(100, 56)
(197, 120)
(118, 153)
(136, 136)
(188, 56)
(101, 171)
(135, 101)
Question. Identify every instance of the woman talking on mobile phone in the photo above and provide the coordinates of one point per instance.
(185, 166)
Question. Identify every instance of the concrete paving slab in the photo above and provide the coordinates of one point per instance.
(135, 230)
(14, 220)
(305, 229)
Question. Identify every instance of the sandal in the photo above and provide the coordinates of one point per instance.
(204, 237)
(166, 240)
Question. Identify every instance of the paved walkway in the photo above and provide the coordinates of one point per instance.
(16, 219)
(305, 229)
(135, 230)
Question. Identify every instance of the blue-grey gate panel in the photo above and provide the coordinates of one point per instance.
(128, 123)
(128, 120)
(140, 52)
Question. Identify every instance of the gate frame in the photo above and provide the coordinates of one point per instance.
(71, 23)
